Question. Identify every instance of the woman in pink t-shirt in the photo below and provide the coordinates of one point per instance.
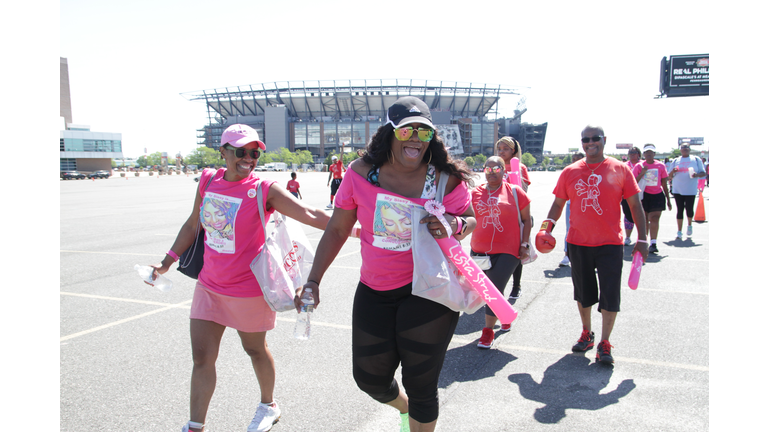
(391, 327)
(227, 293)
(655, 174)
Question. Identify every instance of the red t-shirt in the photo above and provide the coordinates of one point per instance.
(293, 185)
(337, 169)
(498, 226)
(596, 214)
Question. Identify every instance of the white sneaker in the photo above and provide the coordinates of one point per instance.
(265, 417)
(627, 241)
(189, 424)
(329, 206)
(690, 231)
(679, 235)
(565, 261)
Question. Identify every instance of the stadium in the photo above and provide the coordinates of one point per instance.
(326, 117)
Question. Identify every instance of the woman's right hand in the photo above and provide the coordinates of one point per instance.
(300, 292)
(160, 268)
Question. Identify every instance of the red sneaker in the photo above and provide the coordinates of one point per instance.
(604, 352)
(506, 327)
(486, 340)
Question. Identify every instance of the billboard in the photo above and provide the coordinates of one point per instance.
(684, 75)
(690, 140)
(624, 146)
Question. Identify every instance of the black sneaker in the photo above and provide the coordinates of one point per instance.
(653, 248)
(586, 341)
(604, 352)
(515, 294)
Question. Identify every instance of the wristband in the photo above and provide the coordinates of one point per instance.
(173, 255)
(458, 225)
(464, 225)
(642, 241)
(310, 280)
(545, 226)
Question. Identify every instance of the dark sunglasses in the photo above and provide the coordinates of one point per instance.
(594, 138)
(240, 152)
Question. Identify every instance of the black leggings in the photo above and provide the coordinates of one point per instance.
(390, 328)
(684, 202)
(502, 267)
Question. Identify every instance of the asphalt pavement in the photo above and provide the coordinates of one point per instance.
(125, 359)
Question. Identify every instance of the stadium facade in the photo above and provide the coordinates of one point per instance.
(326, 117)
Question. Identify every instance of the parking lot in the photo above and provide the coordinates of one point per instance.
(125, 360)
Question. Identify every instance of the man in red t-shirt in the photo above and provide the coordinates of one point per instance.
(336, 172)
(595, 186)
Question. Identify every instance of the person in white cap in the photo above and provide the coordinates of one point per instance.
(227, 293)
(685, 186)
(655, 174)
(336, 173)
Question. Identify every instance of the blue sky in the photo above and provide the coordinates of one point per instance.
(129, 61)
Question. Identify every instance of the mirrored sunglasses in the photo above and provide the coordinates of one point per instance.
(404, 133)
(495, 170)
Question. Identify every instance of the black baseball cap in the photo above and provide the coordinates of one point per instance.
(408, 110)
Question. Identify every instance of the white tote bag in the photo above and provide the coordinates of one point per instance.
(434, 276)
(284, 262)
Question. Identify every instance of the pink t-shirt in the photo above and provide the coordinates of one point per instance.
(596, 215)
(385, 218)
(656, 172)
(233, 233)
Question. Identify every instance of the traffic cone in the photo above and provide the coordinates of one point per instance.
(700, 215)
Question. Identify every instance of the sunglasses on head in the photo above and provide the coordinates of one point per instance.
(495, 170)
(240, 152)
(404, 133)
(594, 138)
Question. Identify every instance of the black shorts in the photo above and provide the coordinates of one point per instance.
(608, 261)
(654, 202)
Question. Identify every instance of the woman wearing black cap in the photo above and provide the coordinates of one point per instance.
(390, 326)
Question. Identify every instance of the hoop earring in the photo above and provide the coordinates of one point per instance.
(430, 156)
(392, 161)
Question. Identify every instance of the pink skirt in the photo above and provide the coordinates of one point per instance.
(246, 314)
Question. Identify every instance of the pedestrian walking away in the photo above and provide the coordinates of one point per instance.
(565, 261)
(293, 186)
(391, 327)
(686, 170)
(654, 174)
(498, 236)
(508, 148)
(335, 173)
(227, 293)
(596, 185)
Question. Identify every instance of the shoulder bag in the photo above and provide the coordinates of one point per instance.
(285, 260)
(434, 276)
(191, 261)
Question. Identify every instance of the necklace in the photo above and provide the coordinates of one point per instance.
(491, 192)
(598, 165)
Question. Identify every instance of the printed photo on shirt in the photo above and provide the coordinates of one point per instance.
(217, 216)
(392, 223)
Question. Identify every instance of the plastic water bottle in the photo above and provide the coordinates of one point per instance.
(302, 329)
(161, 282)
(691, 172)
(634, 273)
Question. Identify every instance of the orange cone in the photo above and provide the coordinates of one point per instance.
(700, 215)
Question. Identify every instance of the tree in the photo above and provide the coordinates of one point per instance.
(470, 161)
(528, 160)
(480, 159)
(203, 156)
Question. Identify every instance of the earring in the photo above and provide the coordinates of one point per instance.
(430, 156)
(392, 161)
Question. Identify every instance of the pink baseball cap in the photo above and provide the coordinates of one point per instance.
(239, 135)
